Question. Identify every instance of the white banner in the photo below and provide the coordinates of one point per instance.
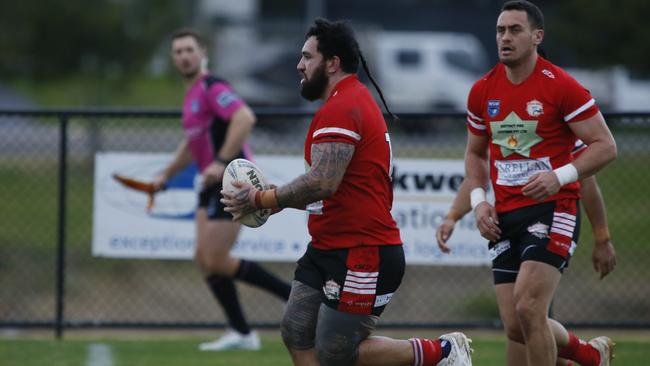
(122, 227)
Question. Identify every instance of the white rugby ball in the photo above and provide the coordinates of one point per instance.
(245, 171)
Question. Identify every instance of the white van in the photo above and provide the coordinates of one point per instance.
(427, 71)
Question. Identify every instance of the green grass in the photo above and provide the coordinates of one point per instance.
(181, 350)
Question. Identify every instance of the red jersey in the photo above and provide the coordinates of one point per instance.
(358, 214)
(527, 127)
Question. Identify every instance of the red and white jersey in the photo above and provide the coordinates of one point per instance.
(527, 127)
(358, 214)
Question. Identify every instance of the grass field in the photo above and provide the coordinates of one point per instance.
(167, 348)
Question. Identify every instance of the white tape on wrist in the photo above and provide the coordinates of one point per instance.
(566, 174)
(477, 196)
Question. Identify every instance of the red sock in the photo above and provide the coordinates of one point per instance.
(580, 351)
(427, 352)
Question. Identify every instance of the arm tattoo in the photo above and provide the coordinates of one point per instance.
(329, 161)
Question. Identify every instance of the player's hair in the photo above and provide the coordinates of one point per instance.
(188, 32)
(535, 15)
(338, 39)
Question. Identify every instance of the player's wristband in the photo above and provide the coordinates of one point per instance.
(477, 196)
(566, 174)
(266, 199)
(454, 214)
(222, 161)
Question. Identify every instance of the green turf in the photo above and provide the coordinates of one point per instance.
(489, 351)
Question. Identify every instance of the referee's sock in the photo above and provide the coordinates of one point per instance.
(224, 291)
(254, 274)
(580, 351)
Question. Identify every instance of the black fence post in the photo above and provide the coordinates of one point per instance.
(60, 253)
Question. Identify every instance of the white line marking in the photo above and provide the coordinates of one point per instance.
(99, 354)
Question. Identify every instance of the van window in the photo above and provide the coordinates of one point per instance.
(465, 61)
(409, 58)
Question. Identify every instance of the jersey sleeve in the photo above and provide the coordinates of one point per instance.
(475, 122)
(223, 101)
(577, 104)
(336, 125)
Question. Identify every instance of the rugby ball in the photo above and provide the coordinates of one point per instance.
(245, 171)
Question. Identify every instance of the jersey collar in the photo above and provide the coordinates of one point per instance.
(343, 84)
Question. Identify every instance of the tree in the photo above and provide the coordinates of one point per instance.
(602, 32)
(58, 38)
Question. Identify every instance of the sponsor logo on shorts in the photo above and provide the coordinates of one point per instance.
(539, 230)
(382, 300)
(332, 290)
(499, 248)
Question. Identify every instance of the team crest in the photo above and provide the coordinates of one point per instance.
(494, 106)
(539, 230)
(332, 290)
(534, 108)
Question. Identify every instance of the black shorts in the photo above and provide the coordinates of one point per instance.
(545, 233)
(210, 199)
(358, 280)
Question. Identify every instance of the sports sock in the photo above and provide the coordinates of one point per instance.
(254, 274)
(427, 352)
(224, 291)
(580, 351)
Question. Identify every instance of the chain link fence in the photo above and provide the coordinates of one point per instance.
(48, 276)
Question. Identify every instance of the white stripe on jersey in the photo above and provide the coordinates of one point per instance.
(476, 125)
(565, 215)
(474, 116)
(561, 232)
(337, 130)
(564, 221)
(363, 274)
(361, 279)
(357, 285)
(563, 227)
(584, 107)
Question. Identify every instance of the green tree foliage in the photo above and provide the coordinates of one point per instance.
(604, 32)
(41, 40)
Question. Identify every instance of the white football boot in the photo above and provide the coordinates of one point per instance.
(461, 353)
(605, 347)
(233, 340)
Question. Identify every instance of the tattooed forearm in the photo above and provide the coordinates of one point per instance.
(328, 164)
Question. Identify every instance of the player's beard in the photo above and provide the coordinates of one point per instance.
(314, 88)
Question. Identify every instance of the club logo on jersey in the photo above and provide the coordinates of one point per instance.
(494, 106)
(332, 290)
(514, 135)
(226, 98)
(539, 230)
(548, 74)
(534, 108)
(195, 106)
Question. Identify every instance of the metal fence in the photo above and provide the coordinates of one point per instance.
(48, 277)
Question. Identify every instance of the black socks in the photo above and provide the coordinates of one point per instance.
(254, 274)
